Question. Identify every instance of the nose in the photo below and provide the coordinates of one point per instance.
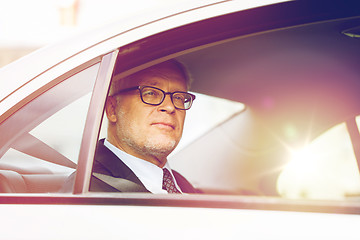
(167, 105)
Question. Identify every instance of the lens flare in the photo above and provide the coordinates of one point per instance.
(326, 168)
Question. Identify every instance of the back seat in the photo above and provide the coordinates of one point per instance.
(12, 182)
(15, 182)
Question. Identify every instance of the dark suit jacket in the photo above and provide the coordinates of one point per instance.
(106, 162)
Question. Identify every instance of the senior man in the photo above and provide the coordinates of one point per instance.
(146, 113)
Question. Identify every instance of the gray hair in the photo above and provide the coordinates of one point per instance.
(170, 64)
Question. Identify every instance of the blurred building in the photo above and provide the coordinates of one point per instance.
(28, 25)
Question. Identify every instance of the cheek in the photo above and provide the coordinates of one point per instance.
(124, 115)
(133, 117)
(127, 107)
(181, 120)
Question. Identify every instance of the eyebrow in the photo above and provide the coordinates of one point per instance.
(151, 83)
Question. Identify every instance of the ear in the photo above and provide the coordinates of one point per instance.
(110, 108)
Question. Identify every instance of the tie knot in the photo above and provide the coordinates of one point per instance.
(168, 182)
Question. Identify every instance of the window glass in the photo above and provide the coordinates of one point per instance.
(67, 128)
(325, 169)
(64, 136)
(47, 135)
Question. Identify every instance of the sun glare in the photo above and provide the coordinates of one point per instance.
(325, 169)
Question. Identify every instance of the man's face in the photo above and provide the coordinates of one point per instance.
(144, 130)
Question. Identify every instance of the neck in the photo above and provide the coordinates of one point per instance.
(157, 159)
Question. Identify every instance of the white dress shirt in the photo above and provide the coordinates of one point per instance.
(150, 175)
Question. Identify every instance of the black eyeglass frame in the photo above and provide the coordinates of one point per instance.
(140, 88)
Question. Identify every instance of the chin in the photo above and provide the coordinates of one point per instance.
(163, 146)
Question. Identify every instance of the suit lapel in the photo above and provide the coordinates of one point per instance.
(184, 184)
(106, 162)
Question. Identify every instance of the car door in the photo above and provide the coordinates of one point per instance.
(72, 92)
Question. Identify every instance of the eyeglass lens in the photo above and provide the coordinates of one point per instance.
(155, 96)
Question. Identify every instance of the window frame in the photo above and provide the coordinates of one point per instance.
(93, 123)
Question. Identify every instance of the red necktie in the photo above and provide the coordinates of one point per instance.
(168, 182)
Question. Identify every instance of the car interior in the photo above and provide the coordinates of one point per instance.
(273, 91)
(296, 83)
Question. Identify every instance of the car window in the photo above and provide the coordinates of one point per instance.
(45, 136)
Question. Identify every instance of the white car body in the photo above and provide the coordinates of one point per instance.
(83, 214)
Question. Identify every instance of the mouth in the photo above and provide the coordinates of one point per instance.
(164, 125)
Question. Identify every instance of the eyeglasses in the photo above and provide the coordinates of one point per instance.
(155, 96)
